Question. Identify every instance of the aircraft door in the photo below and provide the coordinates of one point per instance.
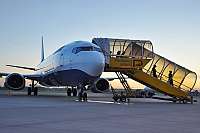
(68, 59)
(72, 61)
(62, 58)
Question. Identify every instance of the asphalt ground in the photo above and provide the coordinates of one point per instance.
(54, 112)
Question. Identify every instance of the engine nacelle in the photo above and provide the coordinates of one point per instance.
(99, 86)
(15, 81)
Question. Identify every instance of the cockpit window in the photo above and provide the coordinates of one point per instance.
(97, 49)
(90, 48)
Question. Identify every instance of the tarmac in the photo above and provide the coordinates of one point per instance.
(54, 112)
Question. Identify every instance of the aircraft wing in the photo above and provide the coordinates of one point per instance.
(3, 74)
(37, 77)
(22, 67)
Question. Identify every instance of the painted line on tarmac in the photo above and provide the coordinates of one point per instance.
(91, 101)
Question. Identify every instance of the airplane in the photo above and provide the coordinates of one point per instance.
(79, 63)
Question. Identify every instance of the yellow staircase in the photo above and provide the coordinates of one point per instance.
(158, 85)
(129, 92)
(148, 80)
(136, 58)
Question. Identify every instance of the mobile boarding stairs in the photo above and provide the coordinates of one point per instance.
(136, 58)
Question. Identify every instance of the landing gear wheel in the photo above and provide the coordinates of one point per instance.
(174, 101)
(115, 97)
(29, 91)
(80, 96)
(85, 97)
(185, 101)
(69, 91)
(35, 91)
(75, 92)
(123, 98)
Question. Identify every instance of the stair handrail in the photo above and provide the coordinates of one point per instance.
(176, 86)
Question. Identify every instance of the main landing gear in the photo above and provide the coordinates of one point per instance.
(72, 91)
(32, 88)
(120, 97)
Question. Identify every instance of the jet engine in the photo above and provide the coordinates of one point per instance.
(99, 86)
(15, 81)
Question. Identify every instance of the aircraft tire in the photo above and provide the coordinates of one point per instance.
(35, 91)
(29, 91)
(185, 101)
(69, 91)
(174, 101)
(85, 97)
(75, 92)
(115, 98)
(80, 96)
(123, 98)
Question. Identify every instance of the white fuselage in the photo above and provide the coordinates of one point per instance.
(78, 62)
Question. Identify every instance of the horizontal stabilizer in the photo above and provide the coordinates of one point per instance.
(28, 68)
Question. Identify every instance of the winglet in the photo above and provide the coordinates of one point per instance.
(42, 52)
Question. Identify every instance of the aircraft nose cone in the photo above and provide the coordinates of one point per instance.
(96, 64)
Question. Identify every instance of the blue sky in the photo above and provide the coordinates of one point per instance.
(172, 25)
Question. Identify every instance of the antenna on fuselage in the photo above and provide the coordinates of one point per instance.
(42, 51)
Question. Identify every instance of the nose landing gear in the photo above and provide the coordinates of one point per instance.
(82, 96)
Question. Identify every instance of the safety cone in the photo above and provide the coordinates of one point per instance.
(9, 94)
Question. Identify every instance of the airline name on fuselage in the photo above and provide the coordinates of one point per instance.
(125, 62)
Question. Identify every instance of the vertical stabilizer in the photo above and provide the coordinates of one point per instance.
(42, 51)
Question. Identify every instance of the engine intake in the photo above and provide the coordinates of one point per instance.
(100, 86)
(15, 81)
